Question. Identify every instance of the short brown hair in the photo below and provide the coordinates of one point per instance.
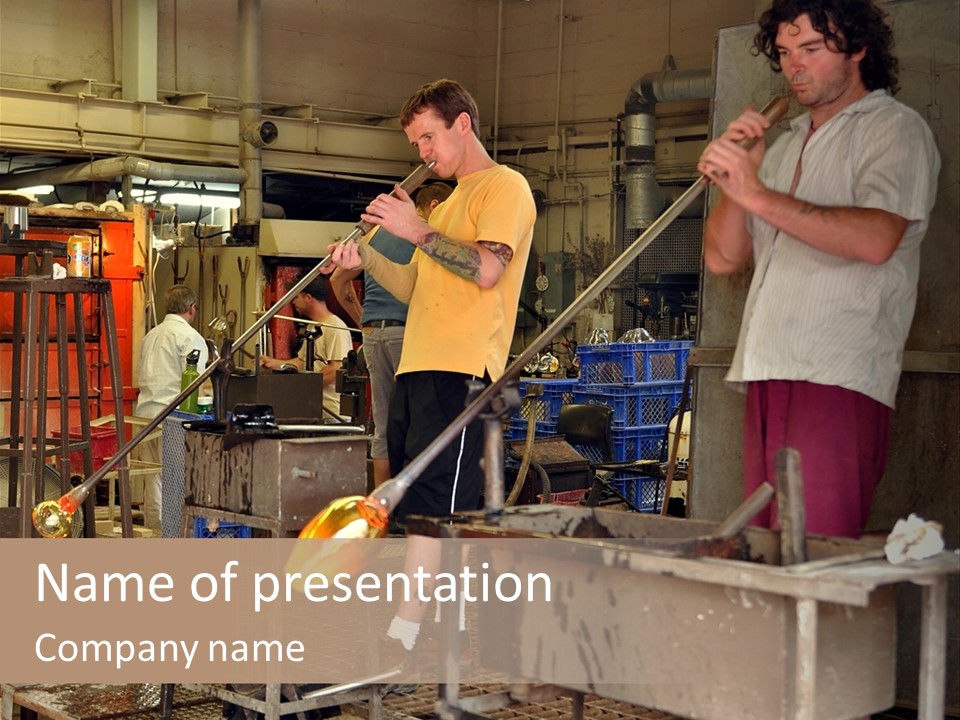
(178, 299)
(448, 98)
(434, 191)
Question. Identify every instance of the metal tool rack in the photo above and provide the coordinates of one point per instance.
(29, 383)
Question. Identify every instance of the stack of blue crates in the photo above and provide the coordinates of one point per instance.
(641, 382)
(220, 530)
(545, 408)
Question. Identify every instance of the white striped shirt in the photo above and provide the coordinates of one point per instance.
(820, 318)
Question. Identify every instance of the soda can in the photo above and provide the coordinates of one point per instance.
(78, 256)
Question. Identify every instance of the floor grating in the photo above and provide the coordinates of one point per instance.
(139, 702)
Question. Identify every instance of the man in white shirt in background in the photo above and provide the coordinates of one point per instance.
(163, 358)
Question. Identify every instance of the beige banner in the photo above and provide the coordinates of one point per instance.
(575, 613)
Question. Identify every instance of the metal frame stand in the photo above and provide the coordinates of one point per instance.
(29, 384)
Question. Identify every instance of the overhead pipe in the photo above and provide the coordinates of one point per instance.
(253, 133)
(138, 68)
(644, 198)
(496, 83)
(110, 168)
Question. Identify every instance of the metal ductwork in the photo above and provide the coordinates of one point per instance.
(254, 133)
(643, 195)
(110, 168)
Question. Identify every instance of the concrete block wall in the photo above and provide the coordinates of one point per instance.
(566, 67)
(606, 46)
(367, 55)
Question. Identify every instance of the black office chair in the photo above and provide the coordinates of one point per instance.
(588, 428)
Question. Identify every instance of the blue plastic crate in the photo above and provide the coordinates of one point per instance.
(221, 530)
(629, 444)
(518, 429)
(644, 492)
(629, 363)
(546, 408)
(634, 405)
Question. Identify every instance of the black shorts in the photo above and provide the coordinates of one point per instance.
(423, 404)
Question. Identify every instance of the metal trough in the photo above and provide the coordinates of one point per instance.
(276, 483)
(705, 637)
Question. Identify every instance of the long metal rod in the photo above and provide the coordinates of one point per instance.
(390, 493)
(408, 184)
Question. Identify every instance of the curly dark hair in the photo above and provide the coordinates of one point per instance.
(448, 98)
(851, 25)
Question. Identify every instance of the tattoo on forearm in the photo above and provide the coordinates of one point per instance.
(459, 259)
(503, 253)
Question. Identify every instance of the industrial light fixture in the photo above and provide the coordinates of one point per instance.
(207, 201)
(37, 190)
(143, 194)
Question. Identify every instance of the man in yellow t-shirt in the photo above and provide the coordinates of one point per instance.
(462, 286)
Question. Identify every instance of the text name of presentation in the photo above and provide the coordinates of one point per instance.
(468, 585)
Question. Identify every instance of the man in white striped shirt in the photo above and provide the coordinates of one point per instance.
(833, 215)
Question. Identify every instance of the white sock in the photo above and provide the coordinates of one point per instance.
(405, 631)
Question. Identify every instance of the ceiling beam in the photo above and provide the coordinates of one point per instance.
(43, 122)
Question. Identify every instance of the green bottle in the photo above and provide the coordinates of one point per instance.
(190, 374)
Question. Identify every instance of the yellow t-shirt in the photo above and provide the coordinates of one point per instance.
(453, 324)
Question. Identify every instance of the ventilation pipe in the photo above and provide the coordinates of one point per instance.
(128, 165)
(254, 133)
(645, 199)
(139, 50)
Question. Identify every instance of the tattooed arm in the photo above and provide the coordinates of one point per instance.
(482, 261)
(854, 233)
(865, 234)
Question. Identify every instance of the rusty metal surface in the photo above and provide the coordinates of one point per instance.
(289, 480)
(634, 612)
(553, 451)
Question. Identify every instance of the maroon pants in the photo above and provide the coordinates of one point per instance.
(843, 438)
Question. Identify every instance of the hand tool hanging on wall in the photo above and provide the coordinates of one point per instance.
(54, 518)
(231, 317)
(200, 301)
(179, 279)
(224, 292)
(243, 267)
(214, 293)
